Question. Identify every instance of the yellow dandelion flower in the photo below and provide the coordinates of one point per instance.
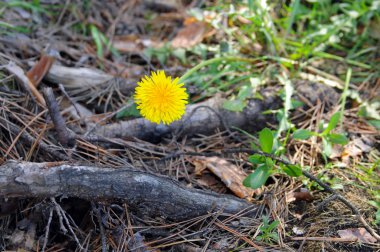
(161, 99)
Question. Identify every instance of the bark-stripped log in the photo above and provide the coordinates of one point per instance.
(147, 194)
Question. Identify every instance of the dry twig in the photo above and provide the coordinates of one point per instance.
(336, 195)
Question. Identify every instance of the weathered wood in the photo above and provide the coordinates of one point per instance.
(147, 194)
(199, 119)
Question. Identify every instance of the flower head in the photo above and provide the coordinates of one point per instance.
(160, 99)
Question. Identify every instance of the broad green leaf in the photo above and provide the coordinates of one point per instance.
(235, 105)
(266, 140)
(292, 170)
(370, 110)
(374, 203)
(374, 123)
(258, 177)
(327, 147)
(255, 82)
(269, 162)
(296, 104)
(256, 159)
(162, 57)
(245, 92)
(180, 53)
(302, 134)
(224, 47)
(254, 146)
(278, 147)
(337, 186)
(333, 122)
(284, 123)
(337, 139)
(131, 111)
(273, 225)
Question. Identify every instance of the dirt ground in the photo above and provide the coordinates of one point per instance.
(80, 170)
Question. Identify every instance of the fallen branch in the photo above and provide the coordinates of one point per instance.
(199, 119)
(63, 134)
(81, 82)
(147, 194)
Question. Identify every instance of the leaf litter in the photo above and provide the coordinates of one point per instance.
(101, 83)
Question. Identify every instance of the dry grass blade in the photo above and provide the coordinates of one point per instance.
(240, 236)
(24, 80)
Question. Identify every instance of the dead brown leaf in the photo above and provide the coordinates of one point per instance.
(200, 166)
(40, 69)
(24, 81)
(210, 181)
(128, 43)
(302, 195)
(360, 234)
(231, 175)
(354, 149)
(25, 235)
(190, 35)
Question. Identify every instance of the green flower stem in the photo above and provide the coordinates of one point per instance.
(212, 61)
(344, 96)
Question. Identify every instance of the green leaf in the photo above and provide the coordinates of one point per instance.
(296, 104)
(333, 122)
(302, 134)
(292, 170)
(266, 140)
(258, 177)
(374, 123)
(337, 139)
(245, 92)
(269, 162)
(374, 203)
(97, 39)
(180, 53)
(337, 186)
(327, 147)
(235, 105)
(273, 225)
(370, 110)
(224, 47)
(131, 111)
(162, 57)
(254, 146)
(256, 159)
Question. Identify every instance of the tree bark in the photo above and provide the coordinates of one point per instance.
(200, 119)
(146, 194)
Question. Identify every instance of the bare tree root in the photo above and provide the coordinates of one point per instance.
(147, 194)
(335, 194)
